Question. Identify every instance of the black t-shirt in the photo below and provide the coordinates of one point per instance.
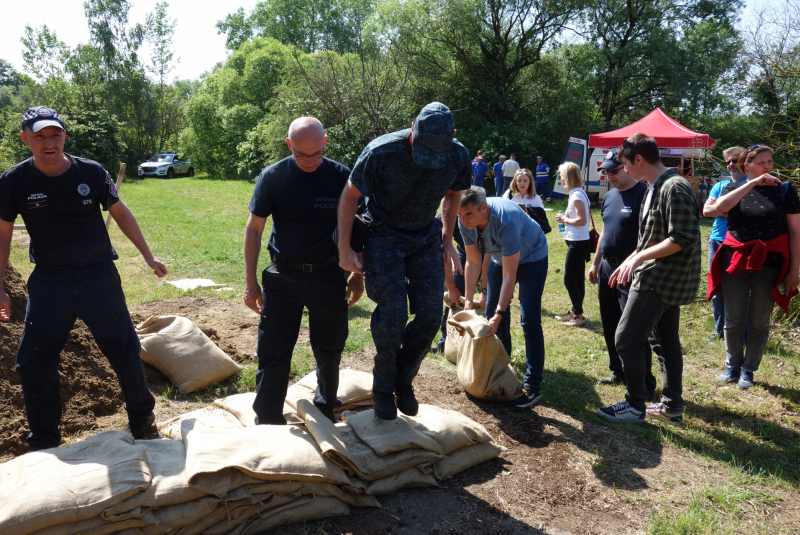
(620, 213)
(303, 207)
(385, 172)
(62, 214)
(761, 214)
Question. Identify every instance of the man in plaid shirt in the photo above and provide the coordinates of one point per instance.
(665, 269)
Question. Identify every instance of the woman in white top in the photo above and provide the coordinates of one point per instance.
(521, 190)
(576, 221)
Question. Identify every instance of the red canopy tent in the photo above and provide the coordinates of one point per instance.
(668, 132)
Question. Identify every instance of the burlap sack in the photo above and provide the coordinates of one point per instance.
(453, 335)
(357, 499)
(296, 392)
(340, 444)
(416, 476)
(484, 369)
(169, 484)
(180, 350)
(434, 429)
(320, 507)
(210, 416)
(354, 386)
(241, 406)
(263, 452)
(97, 526)
(464, 458)
(70, 484)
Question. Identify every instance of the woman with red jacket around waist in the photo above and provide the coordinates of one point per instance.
(759, 261)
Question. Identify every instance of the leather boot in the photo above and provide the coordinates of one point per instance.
(385, 409)
(406, 401)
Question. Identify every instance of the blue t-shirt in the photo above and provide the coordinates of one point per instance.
(385, 172)
(510, 230)
(498, 170)
(303, 207)
(62, 214)
(720, 222)
(620, 213)
(479, 171)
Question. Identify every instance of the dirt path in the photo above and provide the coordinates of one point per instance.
(556, 475)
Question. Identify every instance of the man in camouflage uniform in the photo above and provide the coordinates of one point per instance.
(402, 259)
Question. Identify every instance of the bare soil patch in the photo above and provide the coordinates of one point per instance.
(557, 474)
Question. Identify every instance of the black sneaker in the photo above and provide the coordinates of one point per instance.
(622, 412)
(385, 409)
(729, 375)
(406, 402)
(438, 348)
(144, 431)
(528, 398)
(613, 379)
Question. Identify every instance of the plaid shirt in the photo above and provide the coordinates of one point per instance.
(673, 215)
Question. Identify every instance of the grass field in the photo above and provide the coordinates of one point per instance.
(196, 227)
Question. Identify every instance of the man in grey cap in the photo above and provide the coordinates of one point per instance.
(404, 176)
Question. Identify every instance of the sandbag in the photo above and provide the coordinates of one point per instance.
(180, 350)
(358, 499)
(210, 416)
(341, 444)
(97, 526)
(320, 507)
(484, 369)
(263, 452)
(434, 429)
(414, 477)
(69, 484)
(453, 335)
(241, 406)
(354, 386)
(464, 458)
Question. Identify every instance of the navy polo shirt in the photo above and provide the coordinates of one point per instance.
(303, 207)
(620, 212)
(385, 172)
(62, 214)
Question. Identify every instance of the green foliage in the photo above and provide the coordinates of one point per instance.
(94, 135)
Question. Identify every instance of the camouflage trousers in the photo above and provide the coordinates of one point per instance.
(403, 271)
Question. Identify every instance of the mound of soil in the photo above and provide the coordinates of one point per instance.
(89, 387)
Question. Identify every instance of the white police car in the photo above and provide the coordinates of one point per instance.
(166, 164)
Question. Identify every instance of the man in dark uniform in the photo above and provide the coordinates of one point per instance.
(620, 214)
(402, 260)
(301, 193)
(59, 198)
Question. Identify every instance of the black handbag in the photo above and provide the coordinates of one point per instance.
(540, 216)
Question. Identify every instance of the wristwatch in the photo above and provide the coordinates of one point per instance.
(483, 290)
(503, 313)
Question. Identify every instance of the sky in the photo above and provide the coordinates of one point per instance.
(195, 42)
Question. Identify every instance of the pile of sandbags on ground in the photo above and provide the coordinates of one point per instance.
(180, 350)
(483, 366)
(218, 476)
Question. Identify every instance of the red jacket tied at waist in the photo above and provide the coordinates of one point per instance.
(751, 255)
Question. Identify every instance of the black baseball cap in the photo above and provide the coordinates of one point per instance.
(610, 161)
(433, 136)
(40, 117)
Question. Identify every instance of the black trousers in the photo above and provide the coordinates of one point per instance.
(56, 297)
(286, 291)
(575, 272)
(612, 302)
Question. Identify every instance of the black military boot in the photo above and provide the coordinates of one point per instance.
(385, 409)
(406, 401)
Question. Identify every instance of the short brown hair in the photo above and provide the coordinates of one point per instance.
(747, 155)
(644, 146)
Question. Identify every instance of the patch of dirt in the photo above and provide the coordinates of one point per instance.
(88, 385)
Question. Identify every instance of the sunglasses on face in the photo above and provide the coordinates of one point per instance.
(731, 162)
(612, 172)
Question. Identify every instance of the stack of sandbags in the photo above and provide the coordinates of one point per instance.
(218, 476)
(355, 390)
(180, 350)
(483, 366)
(453, 339)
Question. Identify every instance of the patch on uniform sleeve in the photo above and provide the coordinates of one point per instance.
(108, 178)
(112, 189)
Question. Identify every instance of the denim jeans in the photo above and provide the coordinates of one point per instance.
(718, 301)
(646, 317)
(575, 272)
(286, 292)
(56, 297)
(612, 302)
(531, 278)
(748, 297)
(499, 186)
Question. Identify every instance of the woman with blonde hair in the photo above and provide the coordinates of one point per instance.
(522, 191)
(576, 221)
